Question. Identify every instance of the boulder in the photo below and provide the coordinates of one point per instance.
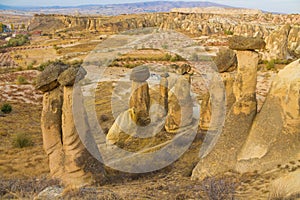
(68, 77)
(47, 80)
(274, 136)
(246, 43)
(225, 60)
(140, 74)
(51, 122)
(180, 106)
(294, 42)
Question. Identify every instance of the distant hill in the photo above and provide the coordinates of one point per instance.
(116, 9)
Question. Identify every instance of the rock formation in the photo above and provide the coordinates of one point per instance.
(140, 98)
(239, 119)
(61, 140)
(180, 106)
(225, 60)
(127, 123)
(274, 136)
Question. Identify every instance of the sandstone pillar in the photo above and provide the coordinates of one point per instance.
(51, 129)
(180, 106)
(140, 98)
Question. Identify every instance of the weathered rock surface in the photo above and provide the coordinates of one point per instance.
(51, 122)
(68, 77)
(72, 145)
(277, 43)
(223, 156)
(287, 186)
(180, 106)
(225, 60)
(274, 137)
(184, 69)
(123, 128)
(140, 98)
(246, 43)
(140, 74)
(47, 80)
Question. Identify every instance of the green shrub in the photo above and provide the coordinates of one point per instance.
(21, 80)
(270, 65)
(19, 40)
(6, 108)
(228, 32)
(22, 140)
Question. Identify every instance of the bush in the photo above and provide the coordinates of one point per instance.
(21, 80)
(22, 140)
(6, 108)
(270, 65)
(19, 40)
(228, 32)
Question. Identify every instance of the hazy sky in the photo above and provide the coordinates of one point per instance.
(286, 6)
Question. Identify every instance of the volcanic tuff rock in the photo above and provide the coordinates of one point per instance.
(225, 60)
(276, 140)
(47, 80)
(223, 156)
(246, 43)
(180, 106)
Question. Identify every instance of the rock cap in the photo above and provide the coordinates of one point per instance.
(246, 43)
(140, 74)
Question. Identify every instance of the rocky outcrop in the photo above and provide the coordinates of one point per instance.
(277, 44)
(61, 140)
(180, 106)
(274, 136)
(223, 156)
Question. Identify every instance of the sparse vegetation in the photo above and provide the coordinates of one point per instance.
(270, 65)
(21, 80)
(19, 40)
(6, 108)
(228, 32)
(219, 189)
(22, 140)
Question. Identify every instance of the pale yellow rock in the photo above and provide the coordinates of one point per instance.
(52, 132)
(180, 106)
(73, 148)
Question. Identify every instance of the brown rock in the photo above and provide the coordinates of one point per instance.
(225, 60)
(246, 43)
(68, 77)
(47, 80)
(183, 69)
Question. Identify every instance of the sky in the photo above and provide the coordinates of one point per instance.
(283, 6)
